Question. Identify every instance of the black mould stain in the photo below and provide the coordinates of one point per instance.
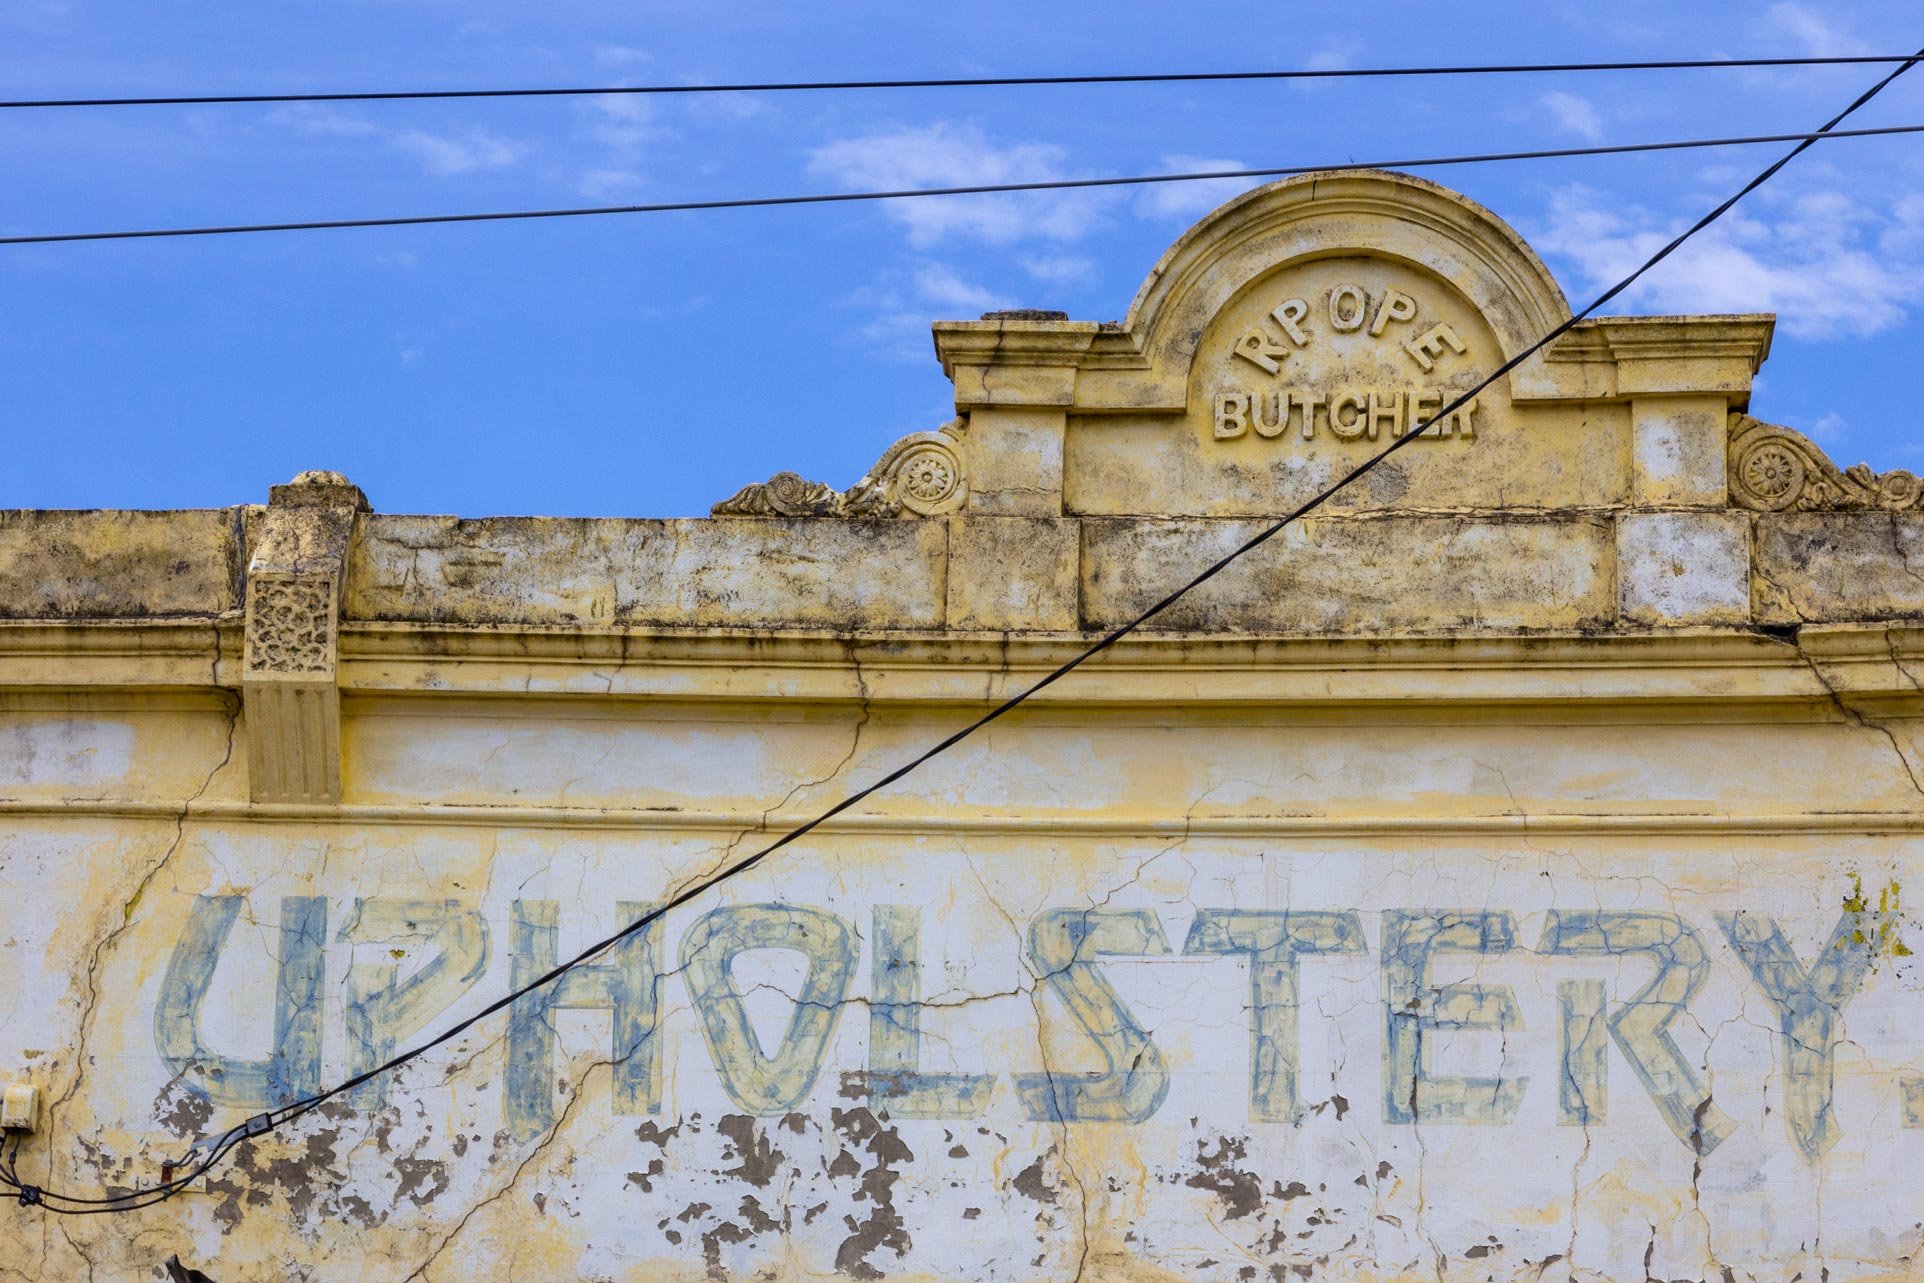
(308, 1176)
(884, 1226)
(714, 1240)
(651, 1134)
(182, 1112)
(421, 1180)
(755, 1220)
(1241, 1191)
(759, 1160)
(1033, 1182)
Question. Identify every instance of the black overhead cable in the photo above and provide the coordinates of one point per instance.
(219, 1146)
(975, 189)
(961, 82)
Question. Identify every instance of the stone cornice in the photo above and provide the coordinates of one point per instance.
(1537, 823)
(1602, 358)
(1618, 357)
(994, 342)
(52, 661)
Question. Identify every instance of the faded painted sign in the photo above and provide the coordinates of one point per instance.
(1065, 954)
(1500, 875)
(1164, 1038)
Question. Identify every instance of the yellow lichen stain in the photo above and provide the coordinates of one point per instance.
(1876, 929)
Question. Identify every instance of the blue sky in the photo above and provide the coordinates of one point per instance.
(650, 365)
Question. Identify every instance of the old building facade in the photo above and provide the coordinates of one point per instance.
(1497, 876)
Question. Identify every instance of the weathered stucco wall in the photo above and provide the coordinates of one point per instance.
(1499, 876)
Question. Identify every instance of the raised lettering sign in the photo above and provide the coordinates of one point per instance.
(1310, 371)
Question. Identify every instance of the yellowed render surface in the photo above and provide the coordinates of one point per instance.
(1500, 875)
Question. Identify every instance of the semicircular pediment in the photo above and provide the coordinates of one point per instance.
(1391, 218)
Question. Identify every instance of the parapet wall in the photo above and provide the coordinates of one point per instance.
(1499, 875)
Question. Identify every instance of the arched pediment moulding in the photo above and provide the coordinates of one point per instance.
(1142, 362)
(1058, 416)
(1418, 224)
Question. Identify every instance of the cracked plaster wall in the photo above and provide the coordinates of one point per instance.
(1177, 1177)
(1501, 877)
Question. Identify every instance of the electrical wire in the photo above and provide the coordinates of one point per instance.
(28, 1195)
(976, 189)
(271, 1120)
(960, 82)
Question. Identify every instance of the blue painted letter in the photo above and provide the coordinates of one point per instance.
(1411, 1006)
(628, 986)
(1808, 1004)
(1061, 944)
(382, 1009)
(1272, 939)
(895, 1080)
(1640, 1026)
(293, 1069)
(757, 1083)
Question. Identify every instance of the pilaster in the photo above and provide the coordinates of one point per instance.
(291, 656)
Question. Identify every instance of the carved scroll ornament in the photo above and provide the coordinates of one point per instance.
(1775, 469)
(786, 494)
(919, 476)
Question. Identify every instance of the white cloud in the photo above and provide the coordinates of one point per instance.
(1904, 235)
(901, 307)
(947, 154)
(1821, 34)
(620, 56)
(1829, 265)
(1059, 269)
(1573, 114)
(462, 153)
(444, 155)
(1334, 56)
(623, 123)
(1188, 200)
(1331, 56)
(604, 184)
(1827, 430)
(623, 127)
(939, 285)
(728, 107)
(325, 121)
